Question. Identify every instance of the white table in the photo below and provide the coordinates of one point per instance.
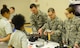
(42, 44)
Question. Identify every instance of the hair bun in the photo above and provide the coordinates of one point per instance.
(4, 6)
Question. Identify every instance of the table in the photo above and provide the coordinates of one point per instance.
(40, 43)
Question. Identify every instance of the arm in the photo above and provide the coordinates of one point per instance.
(8, 31)
(45, 17)
(5, 38)
(33, 23)
(64, 39)
(41, 29)
(58, 30)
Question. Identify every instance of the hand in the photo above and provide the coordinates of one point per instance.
(63, 42)
(45, 33)
(76, 45)
(52, 33)
(40, 31)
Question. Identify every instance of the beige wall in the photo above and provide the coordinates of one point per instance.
(22, 6)
(58, 5)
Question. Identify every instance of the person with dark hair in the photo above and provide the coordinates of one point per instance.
(12, 12)
(71, 27)
(54, 24)
(18, 38)
(5, 27)
(38, 18)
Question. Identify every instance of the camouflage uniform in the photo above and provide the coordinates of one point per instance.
(55, 25)
(71, 30)
(38, 20)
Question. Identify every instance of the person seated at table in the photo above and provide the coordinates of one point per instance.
(54, 24)
(18, 38)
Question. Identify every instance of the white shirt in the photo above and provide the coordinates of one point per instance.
(18, 39)
(5, 27)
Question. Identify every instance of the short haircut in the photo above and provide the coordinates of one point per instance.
(4, 9)
(18, 21)
(71, 10)
(33, 5)
(51, 10)
(13, 8)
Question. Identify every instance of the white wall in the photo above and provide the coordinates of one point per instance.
(22, 6)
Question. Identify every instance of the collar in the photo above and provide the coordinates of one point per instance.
(39, 13)
(4, 18)
(72, 18)
(54, 18)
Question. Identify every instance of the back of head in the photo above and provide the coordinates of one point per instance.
(4, 9)
(4, 6)
(18, 21)
(33, 5)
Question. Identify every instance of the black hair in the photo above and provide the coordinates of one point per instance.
(18, 21)
(13, 8)
(51, 9)
(33, 5)
(71, 10)
(4, 6)
(4, 9)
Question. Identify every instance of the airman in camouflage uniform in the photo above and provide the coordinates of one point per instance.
(71, 27)
(38, 18)
(55, 25)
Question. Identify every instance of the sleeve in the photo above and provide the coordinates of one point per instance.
(58, 30)
(44, 26)
(64, 32)
(32, 20)
(8, 28)
(24, 42)
(78, 34)
(10, 41)
(33, 24)
(45, 17)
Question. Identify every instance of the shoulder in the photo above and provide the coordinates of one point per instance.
(4, 22)
(58, 19)
(42, 13)
(20, 32)
(77, 19)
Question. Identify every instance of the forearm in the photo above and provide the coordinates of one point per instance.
(5, 38)
(57, 32)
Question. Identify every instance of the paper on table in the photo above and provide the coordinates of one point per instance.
(51, 45)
